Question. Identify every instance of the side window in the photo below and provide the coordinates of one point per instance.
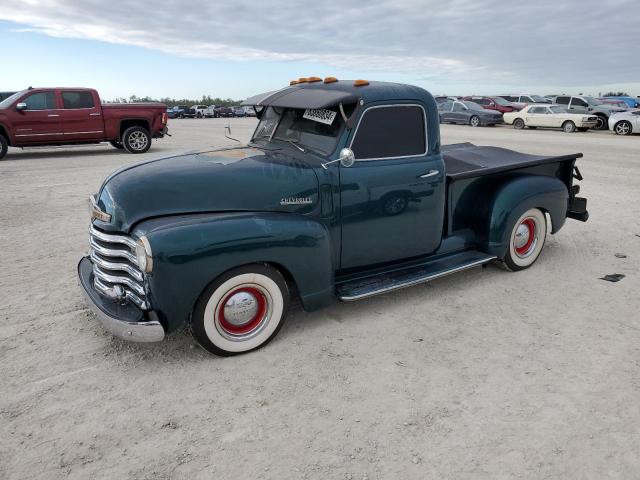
(538, 110)
(510, 98)
(445, 106)
(563, 100)
(458, 107)
(481, 101)
(385, 132)
(578, 102)
(526, 99)
(72, 100)
(41, 101)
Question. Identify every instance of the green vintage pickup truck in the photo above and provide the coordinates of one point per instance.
(343, 192)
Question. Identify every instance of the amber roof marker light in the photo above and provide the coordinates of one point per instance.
(314, 79)
(360, 83)
(330, 80)
(293, 82)
(303, 80)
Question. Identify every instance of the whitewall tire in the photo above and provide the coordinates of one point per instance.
(241, 310)
(526, 240)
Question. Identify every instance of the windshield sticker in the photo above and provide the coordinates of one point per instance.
(320, 115)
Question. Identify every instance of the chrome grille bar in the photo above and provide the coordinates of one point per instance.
(111, 252)
(108, 292)
(105, 237)
(124, 267)
(117, 279)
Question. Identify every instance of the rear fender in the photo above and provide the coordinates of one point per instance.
(517, 196)
(189, 252)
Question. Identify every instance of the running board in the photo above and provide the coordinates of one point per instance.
(388, 282)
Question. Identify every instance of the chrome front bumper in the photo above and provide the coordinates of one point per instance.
(123, 321)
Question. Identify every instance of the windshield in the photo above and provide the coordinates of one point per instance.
(473, 106)
(501, 101)
(558, 109)
(6, 103)
(593, 101)
(316, 130)
(540, 98)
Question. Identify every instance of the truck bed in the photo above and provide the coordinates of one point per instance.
(466, 160)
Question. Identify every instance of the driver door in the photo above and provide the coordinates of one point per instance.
(392, 197)
(40, 121)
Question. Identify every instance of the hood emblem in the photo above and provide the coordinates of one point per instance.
(296, 201)
(96, 213)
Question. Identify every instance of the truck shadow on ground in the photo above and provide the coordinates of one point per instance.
(59, 154)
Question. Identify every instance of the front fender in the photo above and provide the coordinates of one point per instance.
(189, 252)
(517, 196)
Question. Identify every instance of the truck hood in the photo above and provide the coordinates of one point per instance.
(239, 179)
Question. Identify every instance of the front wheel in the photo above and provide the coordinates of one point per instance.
(518, 124)
(602, 123)
(242, 310)
(474, 121)
(569, 126)
(622, 128)
(527, 238)
(4, 146)
(136, 140)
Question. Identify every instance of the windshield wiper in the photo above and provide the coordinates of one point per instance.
(294, 143)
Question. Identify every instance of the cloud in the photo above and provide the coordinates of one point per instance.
(542, 42)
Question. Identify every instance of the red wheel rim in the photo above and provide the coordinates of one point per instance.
(233, 326)
(530, 226)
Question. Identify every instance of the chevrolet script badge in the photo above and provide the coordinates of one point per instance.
(296, 201)
(96, 213)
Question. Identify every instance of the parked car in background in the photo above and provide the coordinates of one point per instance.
(313, 210)
(625, 123)
(629, 101)
(614, 102)
(201, 110)
(526, 99)
(493, 103)
(590, 105)
(468, 113)
(443, 98)
(249, 111)
(224, 112)
(211, 112)
(186, 111)
(550, 116)
(239, 112)
(4, 95)
(174, 112)
(64, 116)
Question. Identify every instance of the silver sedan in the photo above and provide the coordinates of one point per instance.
(625, 123)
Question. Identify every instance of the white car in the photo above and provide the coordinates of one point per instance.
(550, 116)
(201, 111)
(625, 123)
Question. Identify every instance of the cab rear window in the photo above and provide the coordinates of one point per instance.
(71, 100)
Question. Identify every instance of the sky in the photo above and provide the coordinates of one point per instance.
(235, 49)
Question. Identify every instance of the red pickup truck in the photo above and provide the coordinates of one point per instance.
(65, 116)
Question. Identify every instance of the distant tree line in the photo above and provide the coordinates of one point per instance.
(616, 94)
(172, 102)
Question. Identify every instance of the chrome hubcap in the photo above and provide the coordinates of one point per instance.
(240, 308)
(522, 236)
(138, 140)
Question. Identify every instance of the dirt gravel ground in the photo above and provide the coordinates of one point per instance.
(480, 375)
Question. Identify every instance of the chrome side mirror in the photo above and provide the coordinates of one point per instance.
(346, 159)
(21, 106)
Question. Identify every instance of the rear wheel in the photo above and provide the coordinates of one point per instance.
(474, 121)
(136, 140)
(518, 124)
(623, 128)
(527, 238)
(242, 310)
(569, 126)
(116, 144)
(4, 146)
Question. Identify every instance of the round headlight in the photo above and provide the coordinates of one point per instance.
(143, 254)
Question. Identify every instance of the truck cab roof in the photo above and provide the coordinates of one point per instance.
(323, 95)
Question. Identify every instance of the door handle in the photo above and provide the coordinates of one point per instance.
(94, 114)
(430, 173)
(53, 115)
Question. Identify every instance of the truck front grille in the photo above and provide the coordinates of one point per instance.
(116, 274)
